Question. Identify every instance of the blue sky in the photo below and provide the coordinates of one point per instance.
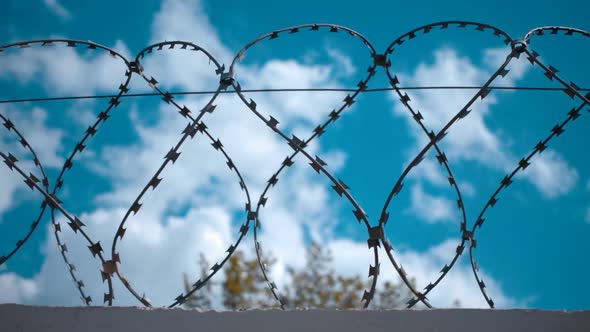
(530, 250)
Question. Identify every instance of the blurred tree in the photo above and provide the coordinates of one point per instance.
(389, 296)
(238, 283)
(316, 285)
(244, 286)
(201, 299)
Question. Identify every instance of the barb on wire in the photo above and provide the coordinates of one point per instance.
(229, 84)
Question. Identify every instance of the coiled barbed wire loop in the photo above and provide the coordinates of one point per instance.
(434, 138)
(299, 145)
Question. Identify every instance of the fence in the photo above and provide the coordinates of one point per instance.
(228, 83)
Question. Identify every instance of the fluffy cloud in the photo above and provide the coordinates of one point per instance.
(471, 139)
(65, 71)
(551, 174)
(16, 289)
(47, 143)
(185, 19)
(32, 122)
(58, 9)
(10, 184)
(431, 208)
(151, 251)
(424, 266)
(494, 57)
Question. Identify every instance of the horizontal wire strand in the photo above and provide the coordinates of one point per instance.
(181, 93)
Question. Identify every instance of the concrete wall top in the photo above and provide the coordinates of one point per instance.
(64, 319)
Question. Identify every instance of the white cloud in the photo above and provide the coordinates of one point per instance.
(152, 251)
(82, 114)
(353, 258)
(302, 108)
(431, 208)
(149, 251)
(16, 289)
(46, 142)
(467, 189)
(494, 57)
(180, 20)
(551, 174)
(431, 171)
(58, 9)
(33, 125)
(471, 139)
(10, 184)
(64, 70)
(345, 63)
(459, 284)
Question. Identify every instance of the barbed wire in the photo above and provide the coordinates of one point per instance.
(228, 84)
